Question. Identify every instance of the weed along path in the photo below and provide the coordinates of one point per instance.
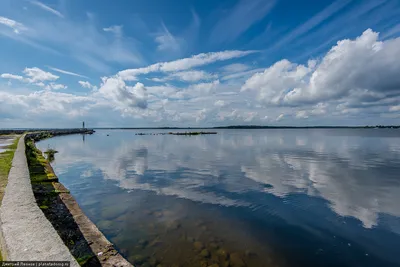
(40, 220)
(8, 145)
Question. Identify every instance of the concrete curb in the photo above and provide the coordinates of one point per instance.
(26, 234)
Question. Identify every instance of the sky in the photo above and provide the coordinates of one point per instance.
(156, 63)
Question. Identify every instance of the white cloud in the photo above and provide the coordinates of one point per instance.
(86, 84)
(197, 90)
(273, 83)
(45, 102)
(302, 114)
(166, 41)
(313, 22)
(116, 29)
(364, 69)
(239, 19)
(11, 76)
(16, 26)
(47, 8)
(186, 76)
(280, 117)
(219, 103)
(125, 98)
(395, 30)
(193, 76)
(183, 64)
(55, 86)
(38, 75)
(94, 49)
(242, 74)
(236, 67)
(394, 108)
(67, 72)
(250, 116)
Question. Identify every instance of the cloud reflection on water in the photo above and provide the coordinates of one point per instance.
(355, 174)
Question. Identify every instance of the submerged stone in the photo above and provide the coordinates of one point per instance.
(143, 242)
(198, 245)
(223, 254)
(236, 260)
(105, 224)
(214, 245)
(138, 259)
(205, 253)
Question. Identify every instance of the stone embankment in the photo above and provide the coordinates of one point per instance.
(53, 132)
(25, 231)
(40, 220)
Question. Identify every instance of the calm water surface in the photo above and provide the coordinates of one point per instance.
(240, 198)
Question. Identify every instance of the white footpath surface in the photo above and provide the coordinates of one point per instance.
(26, 234)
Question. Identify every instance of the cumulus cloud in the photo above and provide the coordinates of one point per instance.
(86, 84)
(123, 96)
(273, 84)
(36, 77)
(183, 64)
(362, 70)
(45, 101)
(16, 26)
(11, 76)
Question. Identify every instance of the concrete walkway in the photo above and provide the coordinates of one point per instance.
(26, 234)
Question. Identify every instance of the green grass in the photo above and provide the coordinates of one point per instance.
(38, 165)
(6, 158)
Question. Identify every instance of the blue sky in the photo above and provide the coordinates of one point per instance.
(199, 63)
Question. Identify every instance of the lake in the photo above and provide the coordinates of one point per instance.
(274, 197)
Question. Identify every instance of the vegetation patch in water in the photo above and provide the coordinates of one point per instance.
(178, 133)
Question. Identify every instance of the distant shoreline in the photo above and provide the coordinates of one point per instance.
(11, 130)
(250, 127)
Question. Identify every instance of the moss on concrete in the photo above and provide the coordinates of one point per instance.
(78, 233)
